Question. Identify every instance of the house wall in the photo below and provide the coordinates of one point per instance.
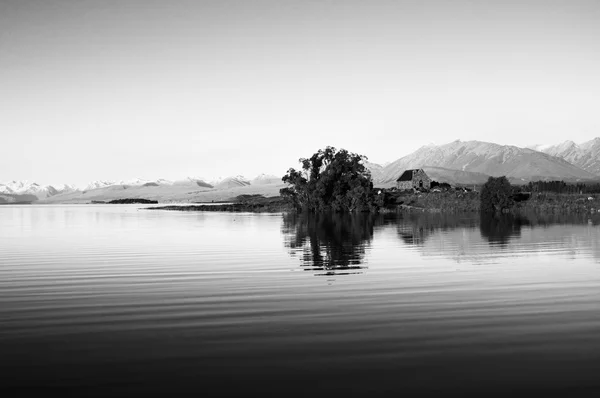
(417, 177)
(421, 176)
(404, 185)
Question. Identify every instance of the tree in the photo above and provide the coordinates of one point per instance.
(496, 195)
(330, 179)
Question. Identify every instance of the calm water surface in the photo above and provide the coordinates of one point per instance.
(106, 300)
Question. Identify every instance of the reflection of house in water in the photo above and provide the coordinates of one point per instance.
(413, 234)
(332, 243)
(416, 228)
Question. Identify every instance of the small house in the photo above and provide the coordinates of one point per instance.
(415, 178)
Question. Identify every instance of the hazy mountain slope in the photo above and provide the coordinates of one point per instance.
(585, 155)
(376, 172)
(6, 198)
(262, 179)
(147, 191)
(203, 184)
(487, 158)
(189, 180)
(176, 192)
(455, 177)
(232, 182)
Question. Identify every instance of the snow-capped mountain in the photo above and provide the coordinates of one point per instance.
(193, 181)
(216, 180)
(163, 181)
(487, 158)
(52, 190)
(96, 184)
(33, 189)
(133, 181)
(585, 155)
(265, 179)
(65, 187)
(18, 187)
(232, 182)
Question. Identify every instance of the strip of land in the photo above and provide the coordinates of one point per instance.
(242, 203)
(450, 201)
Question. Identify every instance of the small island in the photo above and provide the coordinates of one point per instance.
(241, 203)
(132, 201)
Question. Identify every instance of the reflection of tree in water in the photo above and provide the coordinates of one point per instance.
(334, 243)
(501, 228)
(415, 228)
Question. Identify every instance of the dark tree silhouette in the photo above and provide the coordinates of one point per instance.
(331, 179)
(496, 195)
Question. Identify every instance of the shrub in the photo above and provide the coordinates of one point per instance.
(496, 195)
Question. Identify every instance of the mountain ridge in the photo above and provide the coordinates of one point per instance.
(585, 155)
(486, 158)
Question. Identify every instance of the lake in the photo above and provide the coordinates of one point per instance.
(114, 300)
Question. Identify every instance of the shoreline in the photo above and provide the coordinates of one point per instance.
(447, 202)
(431, 202)
(232, 207)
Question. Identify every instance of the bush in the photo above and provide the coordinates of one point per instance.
(496, 195)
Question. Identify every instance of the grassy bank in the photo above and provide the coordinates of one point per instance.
(548, 202)
(444, 202)
(457, 201)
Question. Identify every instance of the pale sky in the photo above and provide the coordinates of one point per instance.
(166, 89)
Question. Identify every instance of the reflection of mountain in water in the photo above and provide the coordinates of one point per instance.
(334, 243)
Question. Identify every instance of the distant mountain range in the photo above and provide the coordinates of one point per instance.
(472, 162)
(32, 188)
(185, 189)
(585, 155)
(458, 162)
(25, 191)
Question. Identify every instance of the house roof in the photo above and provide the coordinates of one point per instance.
(407, 175)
